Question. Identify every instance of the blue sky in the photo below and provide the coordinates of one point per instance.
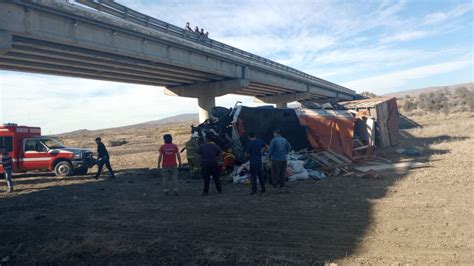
(378, 46)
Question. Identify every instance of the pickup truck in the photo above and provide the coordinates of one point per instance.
(32, 152)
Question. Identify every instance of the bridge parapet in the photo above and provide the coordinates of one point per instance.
(120, 11)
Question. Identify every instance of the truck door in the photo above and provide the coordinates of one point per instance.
(35, 156)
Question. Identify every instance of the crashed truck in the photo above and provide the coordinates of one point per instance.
(352, 129)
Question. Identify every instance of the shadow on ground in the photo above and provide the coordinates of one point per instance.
(130, 220)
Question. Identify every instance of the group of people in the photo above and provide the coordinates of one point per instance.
(210, 154)
(196, 30)
(169, 160)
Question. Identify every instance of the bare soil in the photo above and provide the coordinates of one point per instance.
(419, 216)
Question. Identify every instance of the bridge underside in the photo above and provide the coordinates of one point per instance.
(45, 57)
(58, 38)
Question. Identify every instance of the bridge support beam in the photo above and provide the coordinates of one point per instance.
(282, 100)
(206, 93)
(5, 41)
(205, 103)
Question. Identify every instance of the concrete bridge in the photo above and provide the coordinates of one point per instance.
(104, 40)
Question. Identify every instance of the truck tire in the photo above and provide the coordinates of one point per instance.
(63, 169)
(81, 171)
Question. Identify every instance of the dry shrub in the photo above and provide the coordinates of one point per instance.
(444, 100)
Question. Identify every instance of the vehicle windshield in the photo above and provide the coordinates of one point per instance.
(53, 144)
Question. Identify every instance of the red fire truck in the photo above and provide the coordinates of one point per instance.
(31, 151)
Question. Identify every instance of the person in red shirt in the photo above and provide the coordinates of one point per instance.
(169, 167)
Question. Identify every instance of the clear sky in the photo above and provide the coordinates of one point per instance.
(378, 46)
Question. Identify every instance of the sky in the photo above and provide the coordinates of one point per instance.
(377, 46)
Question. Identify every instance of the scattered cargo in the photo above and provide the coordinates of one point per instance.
(327, 139)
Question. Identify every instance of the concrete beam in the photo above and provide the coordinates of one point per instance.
(284, 98)
(215, 88)
(5, 41)
(205, 103)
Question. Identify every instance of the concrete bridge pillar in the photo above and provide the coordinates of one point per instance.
(205, 103)
(206, 92)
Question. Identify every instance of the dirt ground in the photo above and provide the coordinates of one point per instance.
(420, 216)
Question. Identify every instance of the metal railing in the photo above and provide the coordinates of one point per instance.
(115, 9)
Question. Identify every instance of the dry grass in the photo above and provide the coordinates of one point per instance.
(426, 216)
(421, 216)
(141, 151)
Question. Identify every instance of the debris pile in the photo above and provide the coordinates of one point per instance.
(328, 140)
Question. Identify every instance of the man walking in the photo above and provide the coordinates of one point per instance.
(254, 152)
(7, 162)
(167, 161)
(279, 148)
(103, 158)
(210, 154)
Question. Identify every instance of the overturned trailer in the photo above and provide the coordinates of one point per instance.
(329, 129)
(384, 111)
(351, 129)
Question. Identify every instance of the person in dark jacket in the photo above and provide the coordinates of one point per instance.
(254, 152)
(6, 162)
(210, 154)
(103, 158)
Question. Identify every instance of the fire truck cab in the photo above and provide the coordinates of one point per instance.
(30, 151)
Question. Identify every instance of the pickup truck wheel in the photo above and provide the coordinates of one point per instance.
(63, 169)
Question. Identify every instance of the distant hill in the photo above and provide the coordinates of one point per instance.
(178, 119)
(416, 92)
(173, 119)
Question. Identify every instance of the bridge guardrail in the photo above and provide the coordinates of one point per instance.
(115, 9)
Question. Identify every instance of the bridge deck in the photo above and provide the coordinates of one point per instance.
(120, 44)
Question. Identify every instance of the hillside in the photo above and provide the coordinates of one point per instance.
(416, 92)
(178, 119)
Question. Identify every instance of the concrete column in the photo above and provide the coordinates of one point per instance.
(5, 41)
(205, 104)
(282, 105)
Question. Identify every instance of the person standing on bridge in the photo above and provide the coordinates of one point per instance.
(279, 148)
(169, 167)
(7, 164)
(210, 154)
(188, 27)
(196, 29)
(103, 158)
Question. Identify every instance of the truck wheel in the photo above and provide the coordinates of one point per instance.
(81, 171)
(63, 169)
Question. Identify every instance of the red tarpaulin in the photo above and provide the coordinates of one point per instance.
(329, 130)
